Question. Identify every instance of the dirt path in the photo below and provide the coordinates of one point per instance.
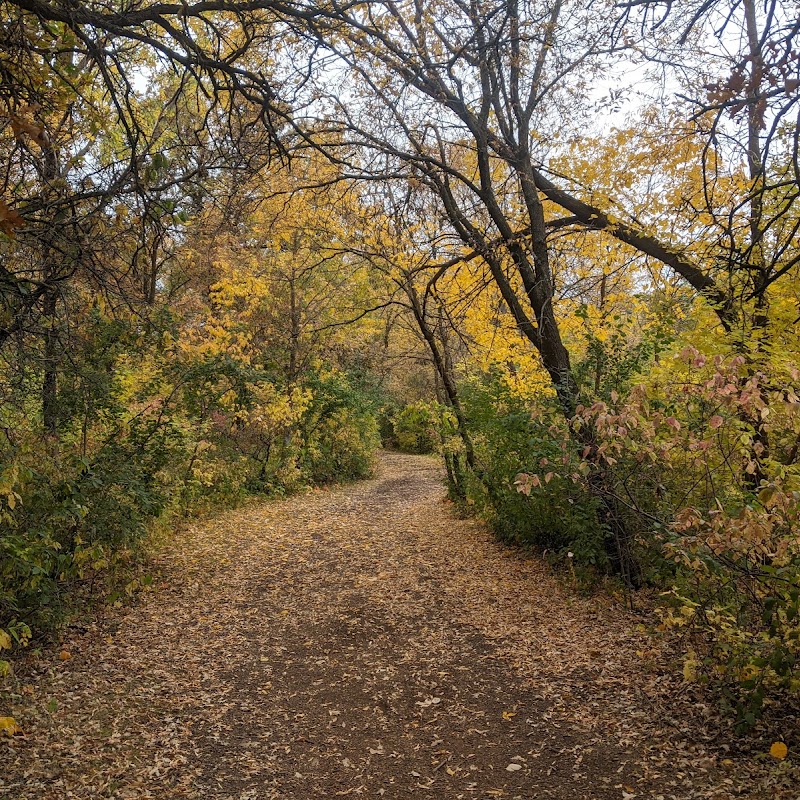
(357, 642)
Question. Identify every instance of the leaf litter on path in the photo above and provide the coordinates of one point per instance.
(363, 642)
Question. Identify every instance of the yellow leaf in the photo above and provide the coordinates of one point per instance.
(509, 714)
(779, 750)
(5, 640)
(690, 666)
(8, 725)
(65, 655)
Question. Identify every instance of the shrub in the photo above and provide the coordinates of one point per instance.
(703, 462)
(737, 597)
(416, 428)
(509, 438)
(340, 429)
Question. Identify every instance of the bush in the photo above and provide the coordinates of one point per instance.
(509, 438)
(195, 436)
(65, 516)
(340, 429)
(737, 597)
(702, 461)
(416, 428)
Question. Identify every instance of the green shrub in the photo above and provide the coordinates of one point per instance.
(715, 512)
(339, 431)
(416, 428)
(509, 438)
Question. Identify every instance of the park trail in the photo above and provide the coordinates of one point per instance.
(360, 642)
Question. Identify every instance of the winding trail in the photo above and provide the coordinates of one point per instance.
(358, 642)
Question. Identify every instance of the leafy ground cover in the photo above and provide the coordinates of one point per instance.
(363, 641)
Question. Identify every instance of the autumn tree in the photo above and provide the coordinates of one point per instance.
(92, 198)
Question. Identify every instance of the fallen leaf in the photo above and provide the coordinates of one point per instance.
(779, 750)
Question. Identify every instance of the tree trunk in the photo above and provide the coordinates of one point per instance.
(50, 364)
(443, 367)
(49, 395)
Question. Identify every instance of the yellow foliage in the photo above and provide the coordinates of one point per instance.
(690, 665)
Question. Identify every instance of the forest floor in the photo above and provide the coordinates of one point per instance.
(366, 642)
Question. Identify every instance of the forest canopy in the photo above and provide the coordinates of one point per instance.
(556, 242)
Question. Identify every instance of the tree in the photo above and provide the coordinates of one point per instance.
(468, 101)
